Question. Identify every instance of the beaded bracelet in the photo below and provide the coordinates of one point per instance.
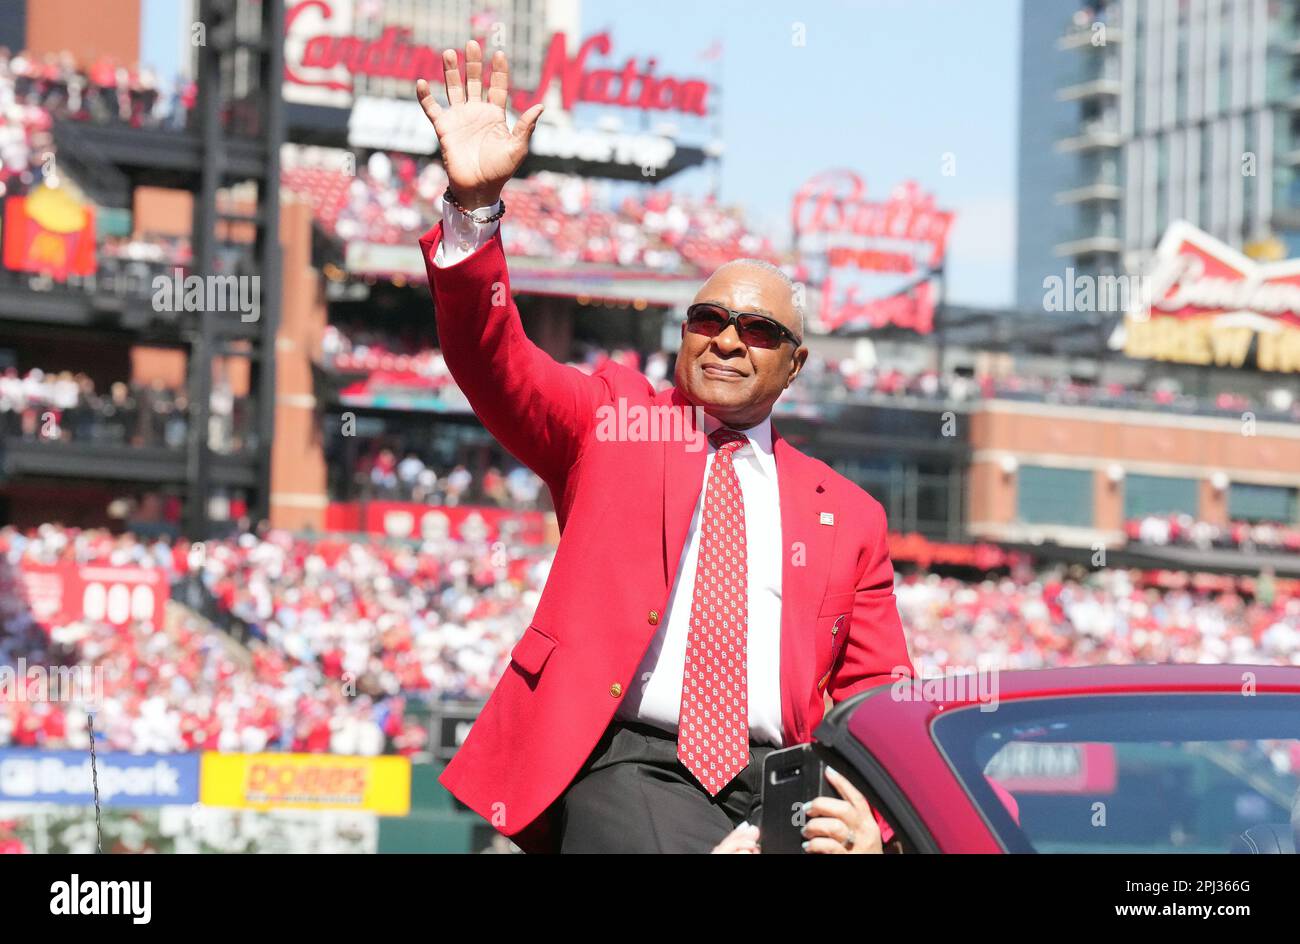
(501, 211)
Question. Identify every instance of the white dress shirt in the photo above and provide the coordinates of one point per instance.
(461, 236)
(655, 696)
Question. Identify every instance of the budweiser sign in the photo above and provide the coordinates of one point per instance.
(323, 59)
(873, 258)
(912, 308)
(834, 206)
(1202, 302)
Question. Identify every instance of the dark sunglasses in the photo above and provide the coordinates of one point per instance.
(710, 320)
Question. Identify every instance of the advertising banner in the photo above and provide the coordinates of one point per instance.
(1024, 767)
(49, 232)
(324, 55)
(874, 259)
(307, 782)
(1202, 302)
(66, 592)
(37, 776)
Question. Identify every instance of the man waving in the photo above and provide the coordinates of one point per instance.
(713, 585)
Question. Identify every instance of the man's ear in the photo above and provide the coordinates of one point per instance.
(798, 359)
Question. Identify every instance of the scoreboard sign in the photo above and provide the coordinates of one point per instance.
(67, 592)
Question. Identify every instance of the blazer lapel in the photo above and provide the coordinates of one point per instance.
(806, 550)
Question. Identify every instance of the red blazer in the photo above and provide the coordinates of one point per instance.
(624, 508)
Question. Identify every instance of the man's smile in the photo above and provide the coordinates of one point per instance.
(723, 372)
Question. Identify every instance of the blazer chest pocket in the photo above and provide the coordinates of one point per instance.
(532, 651)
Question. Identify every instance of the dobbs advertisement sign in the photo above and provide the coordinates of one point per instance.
(1202, 302)
(307, 782)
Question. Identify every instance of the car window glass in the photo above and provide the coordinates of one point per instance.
(1140, 773)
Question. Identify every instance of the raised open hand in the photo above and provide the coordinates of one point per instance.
(480, 152)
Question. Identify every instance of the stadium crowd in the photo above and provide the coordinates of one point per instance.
(106, 91)
(413, 368)
(347, 632)
(67, 407)
(156, 251)
(37, 90)
(562, 218)
(383, 475)
(1182, 530)
(850, 379)
(392, 367)
(1106, 617)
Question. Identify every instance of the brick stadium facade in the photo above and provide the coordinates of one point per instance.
(1093, 440)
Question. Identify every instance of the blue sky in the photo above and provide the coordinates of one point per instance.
(883, 87)
(161, 23)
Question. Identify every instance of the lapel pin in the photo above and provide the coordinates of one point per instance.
(827, 518)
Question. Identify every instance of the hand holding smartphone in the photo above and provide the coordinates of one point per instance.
(791, 777)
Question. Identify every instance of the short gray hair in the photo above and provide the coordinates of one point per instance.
(796, 291)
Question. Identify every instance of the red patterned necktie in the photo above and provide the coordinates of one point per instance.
(713, 723)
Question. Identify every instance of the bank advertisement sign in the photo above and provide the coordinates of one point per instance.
(36, 776)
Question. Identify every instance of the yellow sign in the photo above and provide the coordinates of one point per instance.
(1270, 249)
(306, 782)
(56, 210)
(1201, 341)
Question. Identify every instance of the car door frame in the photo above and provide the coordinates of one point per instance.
(963, 828)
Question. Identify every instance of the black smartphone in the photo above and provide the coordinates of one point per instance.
(791, 777)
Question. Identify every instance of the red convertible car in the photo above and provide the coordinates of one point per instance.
(1146, 758)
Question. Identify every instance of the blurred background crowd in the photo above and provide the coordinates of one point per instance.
(345, 635)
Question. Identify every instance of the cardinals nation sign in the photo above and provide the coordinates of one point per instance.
(1205, 303)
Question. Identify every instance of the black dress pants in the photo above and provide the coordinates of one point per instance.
(634, 795)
